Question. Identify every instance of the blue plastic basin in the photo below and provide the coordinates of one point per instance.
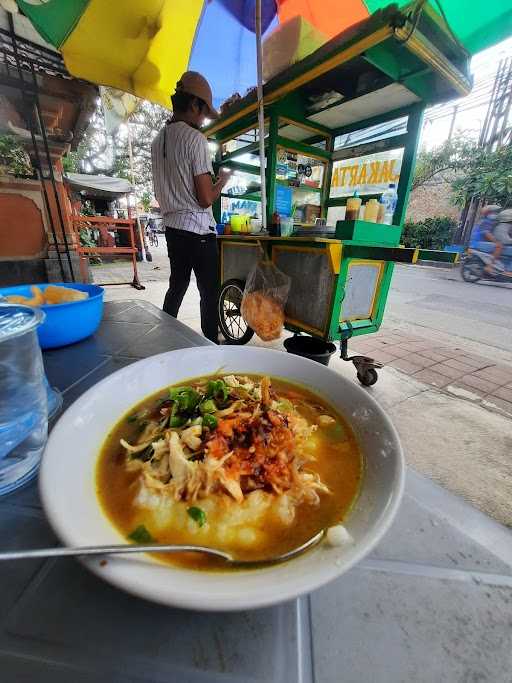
(66, 323)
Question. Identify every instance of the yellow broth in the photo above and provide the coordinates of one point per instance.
(338, 461)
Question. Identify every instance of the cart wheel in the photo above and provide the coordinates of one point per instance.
(368, 377)
(232, 325)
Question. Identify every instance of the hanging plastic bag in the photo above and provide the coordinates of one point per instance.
(265, 294)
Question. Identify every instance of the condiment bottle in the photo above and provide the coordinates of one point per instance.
(352, 209)
(275, 228)
(371, 210)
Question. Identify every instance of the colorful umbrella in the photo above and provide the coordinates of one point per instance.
(143, 46)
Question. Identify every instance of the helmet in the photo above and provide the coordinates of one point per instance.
(490, 208)
(505, 216)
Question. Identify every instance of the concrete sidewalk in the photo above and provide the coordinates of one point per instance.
(451, 368)
(456, 430)
(121, 270)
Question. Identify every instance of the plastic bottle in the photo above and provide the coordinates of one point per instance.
(389, 199)
(353, 205)
(380, 214)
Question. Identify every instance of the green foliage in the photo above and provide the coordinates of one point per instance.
(71, 162)
(471, 171)
(87, 238)
(488, 176)
(448, 158)
(145, 200)
(87, 208)
(14, 159)
(432, 233)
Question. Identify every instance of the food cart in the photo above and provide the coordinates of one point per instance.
(347, 117)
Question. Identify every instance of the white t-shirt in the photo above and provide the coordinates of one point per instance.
(186, 155)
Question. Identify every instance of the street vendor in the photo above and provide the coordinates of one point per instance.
(183, 185)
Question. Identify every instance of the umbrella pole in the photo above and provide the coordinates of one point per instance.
(132, 174)
(261, 114)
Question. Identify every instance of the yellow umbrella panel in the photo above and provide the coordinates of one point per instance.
(139, 46)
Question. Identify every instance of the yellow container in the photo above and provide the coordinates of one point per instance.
(236, 223)
(371, 211)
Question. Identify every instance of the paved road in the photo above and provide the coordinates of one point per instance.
(438, 300)
(428, 301)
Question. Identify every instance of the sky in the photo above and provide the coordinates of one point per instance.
(471, 109)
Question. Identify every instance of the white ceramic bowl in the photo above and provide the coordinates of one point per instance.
(67, 480)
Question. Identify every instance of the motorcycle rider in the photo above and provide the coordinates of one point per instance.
(502, 234)
(482, 237)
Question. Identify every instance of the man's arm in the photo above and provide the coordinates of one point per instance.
(207, 192)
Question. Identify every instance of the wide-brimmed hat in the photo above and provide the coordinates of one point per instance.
(194, 84)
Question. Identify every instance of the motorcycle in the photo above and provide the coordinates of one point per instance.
(478, 265)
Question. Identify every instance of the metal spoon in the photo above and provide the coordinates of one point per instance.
(156, 548)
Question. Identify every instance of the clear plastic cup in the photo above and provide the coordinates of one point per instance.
(23, 396)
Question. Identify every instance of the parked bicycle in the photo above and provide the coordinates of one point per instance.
(153, 238)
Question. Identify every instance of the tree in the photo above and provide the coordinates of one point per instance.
(443, 161)
(145, 200)
(471, 170)
(100, 153)
(487, 175)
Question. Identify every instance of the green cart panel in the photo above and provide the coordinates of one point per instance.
(362, 290)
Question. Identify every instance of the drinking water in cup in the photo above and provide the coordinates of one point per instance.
(23, 396)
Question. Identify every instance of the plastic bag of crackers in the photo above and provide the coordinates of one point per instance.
(265, 294)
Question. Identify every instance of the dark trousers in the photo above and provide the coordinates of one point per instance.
(190, 252)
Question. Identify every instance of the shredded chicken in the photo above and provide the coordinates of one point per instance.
(134, 449)
(150, 430)
(182, 470)
(251, 443)
(191, 437)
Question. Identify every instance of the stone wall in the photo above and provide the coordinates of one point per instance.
(28, 250)
(429, 200)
